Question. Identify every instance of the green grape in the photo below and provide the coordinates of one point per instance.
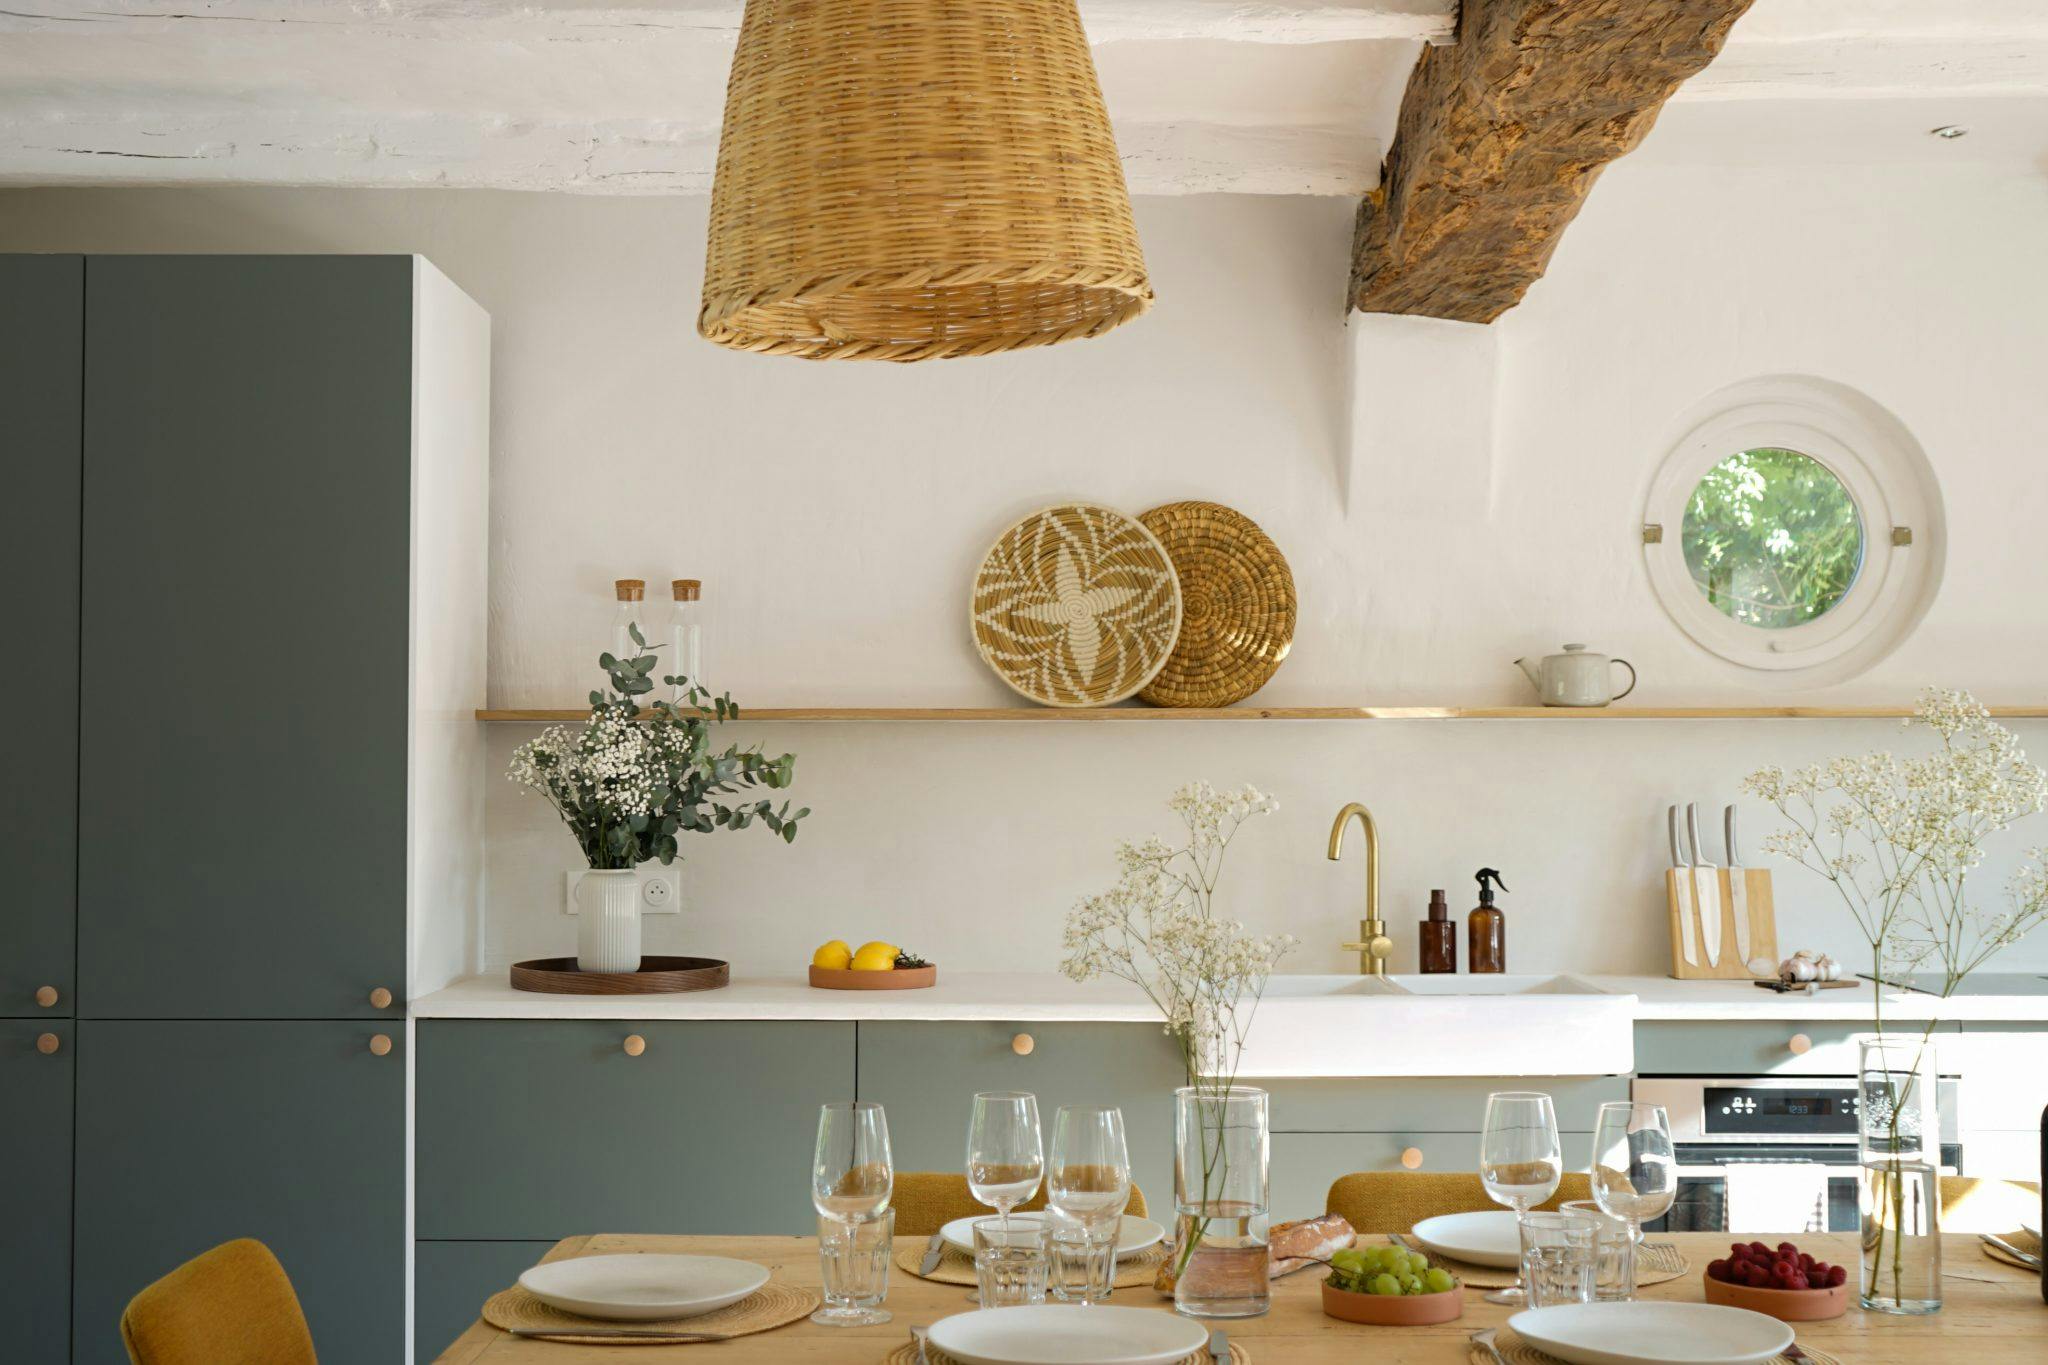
(1411, 1284)
(1417, 1263)
(1349, 1260)
(1438, 1280)
(1384, 1284)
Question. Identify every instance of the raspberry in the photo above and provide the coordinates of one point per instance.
(1837, 1276)
(1717, 1270)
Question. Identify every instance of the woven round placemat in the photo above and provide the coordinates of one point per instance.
(957, 1267)
(1656, 1262)
(1075, 605)
(1237, 605)
(2025, 1241)
(906, 1354)
(1520, 1352)
(774, 1304)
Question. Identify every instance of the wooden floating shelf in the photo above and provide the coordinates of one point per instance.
(1149, 713)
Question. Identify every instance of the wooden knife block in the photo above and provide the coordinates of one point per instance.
(1763, 925)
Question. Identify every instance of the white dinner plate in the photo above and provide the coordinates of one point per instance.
(1490, 1238)
(1061, 1333)
(638, 1288)
(1652, 1333)
(1133, 1235)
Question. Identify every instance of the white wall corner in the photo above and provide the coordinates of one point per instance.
(1422, 398)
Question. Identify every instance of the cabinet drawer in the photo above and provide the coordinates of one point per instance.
(534, 1130)
(1427, 1104)
(35, 1157)
(925, 1075)
(451, 1280)
(1687, 1047)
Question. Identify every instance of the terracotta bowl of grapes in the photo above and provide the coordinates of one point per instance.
(1782, 1281)
(1390, 1287)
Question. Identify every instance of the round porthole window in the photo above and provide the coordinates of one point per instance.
(1794, 526)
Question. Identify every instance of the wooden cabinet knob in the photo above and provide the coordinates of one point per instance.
(380, 999)
(47, 1043)
(1022, 1044)
(1800, 1044)
(634, 1045)
(1411, 1157)
(46, 996)
(380, 1044)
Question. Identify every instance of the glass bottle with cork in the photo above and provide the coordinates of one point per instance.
(628, 611)
(1486, 928)
(685, 639)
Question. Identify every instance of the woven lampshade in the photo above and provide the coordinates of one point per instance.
(914, 180)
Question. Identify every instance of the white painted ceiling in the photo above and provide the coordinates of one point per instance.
(624, 96)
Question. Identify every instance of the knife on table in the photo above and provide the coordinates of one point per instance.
(1681, 891)
(1738, 891)
(934, 1252)
(1706, 880)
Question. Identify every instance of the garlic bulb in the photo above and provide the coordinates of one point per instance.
(1798, 967)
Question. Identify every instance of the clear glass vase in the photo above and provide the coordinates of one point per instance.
(1900, 1179)
(1222, 1145)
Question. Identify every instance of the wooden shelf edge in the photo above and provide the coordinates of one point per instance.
(1148, 713)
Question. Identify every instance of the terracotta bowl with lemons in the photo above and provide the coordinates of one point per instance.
(875, 966)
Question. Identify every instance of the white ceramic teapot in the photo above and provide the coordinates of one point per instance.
(1576, 678)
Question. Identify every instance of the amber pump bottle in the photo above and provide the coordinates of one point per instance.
(1437, 937)
(1486, 928)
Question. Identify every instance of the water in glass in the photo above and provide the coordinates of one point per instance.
(1010, 1264)
(1088, 1185)
(1614, 1251)
(1635, 1167)
(852, 1179)
(853, 1268)
(1558, 1258)
(1520, 1159)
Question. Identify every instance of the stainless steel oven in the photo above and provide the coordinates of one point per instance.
(1808, 1122)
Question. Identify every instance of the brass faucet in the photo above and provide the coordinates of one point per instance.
(1373, 947)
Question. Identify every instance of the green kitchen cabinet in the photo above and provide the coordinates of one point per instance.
(1774, 1047)
(1427, 1104)
(531, 1130)
(192, 1133)
(248, 443)
(451, 1281)
(36, 1070)
(42, 357)
(925, 1074)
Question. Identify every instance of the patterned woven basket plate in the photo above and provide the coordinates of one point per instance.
(773, 1305)
(1656, 1262)
(1076, 605)
(906, 1354)
(1519, 1352)
(957, 1267)
(1237, 605)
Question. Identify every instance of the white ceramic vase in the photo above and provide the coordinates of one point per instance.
(608, 921)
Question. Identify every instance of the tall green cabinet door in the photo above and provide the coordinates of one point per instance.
(243, 749)
(193, 1133)
(42, 360)
(35, 1209)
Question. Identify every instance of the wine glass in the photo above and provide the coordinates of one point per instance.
(1088, 1185)
(1520, 1160)
(1635, 1171)
(1005, 1153)
(851, 1182)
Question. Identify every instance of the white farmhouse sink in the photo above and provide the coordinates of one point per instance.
(1440, 1025)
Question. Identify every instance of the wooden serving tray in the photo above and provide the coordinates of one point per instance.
(898, 979)
(657, 975)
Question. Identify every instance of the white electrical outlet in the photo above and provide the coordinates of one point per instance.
(659, 891)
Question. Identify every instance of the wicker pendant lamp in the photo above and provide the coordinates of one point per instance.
(914, 180)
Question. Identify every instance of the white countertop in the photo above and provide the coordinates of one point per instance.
(1032, 997)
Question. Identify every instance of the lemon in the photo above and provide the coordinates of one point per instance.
(875, 945)
(833, 956)
(876, 957)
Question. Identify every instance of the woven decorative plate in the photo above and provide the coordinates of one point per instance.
(957, 1267)
(906, 1354)
(1656, 1262)
(1237, 605)
(1519, 1352)
(1075, 605)
(774, 1304)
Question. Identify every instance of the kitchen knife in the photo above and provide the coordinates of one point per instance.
(1681, 891)
(934, 1252)
(1706, 880)
(1738, 891)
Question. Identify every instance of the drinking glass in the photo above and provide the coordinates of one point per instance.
(1520, 1160)
(1009, 1261)
(1558, 1258)
(1005, 1154)
(1635, 1171)
(851, 1181)
(1614, 1251)
(1083, 1258)
(1087, 1187)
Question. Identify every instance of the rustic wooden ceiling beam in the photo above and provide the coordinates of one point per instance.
(1501, 137)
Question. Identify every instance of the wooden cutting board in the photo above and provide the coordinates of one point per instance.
(1763, 926)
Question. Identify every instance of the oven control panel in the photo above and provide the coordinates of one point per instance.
(1811, 1111)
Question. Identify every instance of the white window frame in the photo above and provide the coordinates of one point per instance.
(1886, 474)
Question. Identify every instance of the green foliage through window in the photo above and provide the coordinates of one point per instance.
(1772, 538)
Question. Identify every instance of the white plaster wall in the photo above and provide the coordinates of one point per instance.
(836, 512)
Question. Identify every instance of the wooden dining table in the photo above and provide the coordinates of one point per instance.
(1992, 1315)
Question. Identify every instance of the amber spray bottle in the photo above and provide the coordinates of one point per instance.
(1487, 928)
(1437, 938)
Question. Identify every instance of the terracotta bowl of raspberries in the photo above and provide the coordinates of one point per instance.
(1782, 1281)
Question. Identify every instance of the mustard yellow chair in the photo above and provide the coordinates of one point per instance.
(233, 1305)
(1973, 1204)
(926, 1201)
(1395, 1201)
